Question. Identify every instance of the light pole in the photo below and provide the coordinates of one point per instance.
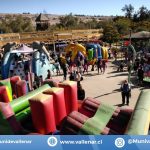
(130, 36)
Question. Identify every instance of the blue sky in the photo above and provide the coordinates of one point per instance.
(87, 7)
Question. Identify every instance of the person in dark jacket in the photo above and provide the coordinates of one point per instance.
(125, 92)
(80, 92)
(99, 65)
(140, 75)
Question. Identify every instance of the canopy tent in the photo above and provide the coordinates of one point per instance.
(138, 35)
(23, 49)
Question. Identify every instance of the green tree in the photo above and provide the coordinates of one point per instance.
(143, 14)
(68, 21)
(91, 24)
(128, 9)
(123, 24)
(142, 26)
(110, 33)
(16, 24)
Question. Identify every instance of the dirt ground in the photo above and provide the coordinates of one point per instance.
(106, 87)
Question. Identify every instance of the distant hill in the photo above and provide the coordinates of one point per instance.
(54, 19)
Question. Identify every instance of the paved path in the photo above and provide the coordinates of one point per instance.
(105, 87)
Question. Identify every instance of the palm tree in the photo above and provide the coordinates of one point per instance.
(143, 13)
(129, 9)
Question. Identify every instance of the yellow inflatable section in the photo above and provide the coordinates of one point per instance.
(105, 52)
(92, 62)
(75, 48)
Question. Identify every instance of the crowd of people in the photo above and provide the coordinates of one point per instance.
(75, 70)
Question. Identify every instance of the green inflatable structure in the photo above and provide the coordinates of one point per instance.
(90, 54)
(140, 120)
(96, 124)
(22, 103)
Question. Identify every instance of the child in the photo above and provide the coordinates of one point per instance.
(49, 74)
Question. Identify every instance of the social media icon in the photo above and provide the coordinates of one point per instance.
(52, 141)
(119, 142)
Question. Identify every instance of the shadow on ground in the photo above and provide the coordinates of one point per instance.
(119, 105)
(117, 75)
(92, 74)
(144, 86)
(114, 91)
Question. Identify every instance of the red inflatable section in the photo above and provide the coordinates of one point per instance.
(70, 91)
(52, 82)
(13, 81)
(58, 102)
(8, 113)
(21, 87)
(4, 94)
(43, 113)
(119, 120)
(75, 121)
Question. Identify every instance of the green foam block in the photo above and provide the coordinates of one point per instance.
(96, 124)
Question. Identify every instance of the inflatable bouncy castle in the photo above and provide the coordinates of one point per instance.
(19, 61)
(93, 52)
(75, 49)
(98, 51)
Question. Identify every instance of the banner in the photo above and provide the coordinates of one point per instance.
(74, 142)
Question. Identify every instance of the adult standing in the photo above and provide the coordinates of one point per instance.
(125, 92)
(104, 66)
(140, 75)
(64, 68)
(99, 65)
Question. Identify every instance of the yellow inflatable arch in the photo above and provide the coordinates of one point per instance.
(75, 48)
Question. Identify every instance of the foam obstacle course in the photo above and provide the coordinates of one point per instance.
(56, 110)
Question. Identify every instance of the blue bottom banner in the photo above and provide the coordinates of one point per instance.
(74, 142)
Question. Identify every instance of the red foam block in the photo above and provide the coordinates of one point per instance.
(70, 91)
(13, 81)
(42, 111)
(4, 94)
(58, 102)
(21, 87)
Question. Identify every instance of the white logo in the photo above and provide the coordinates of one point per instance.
(119, 142)
(52, 141)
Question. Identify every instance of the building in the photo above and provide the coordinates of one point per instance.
(42, 23)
